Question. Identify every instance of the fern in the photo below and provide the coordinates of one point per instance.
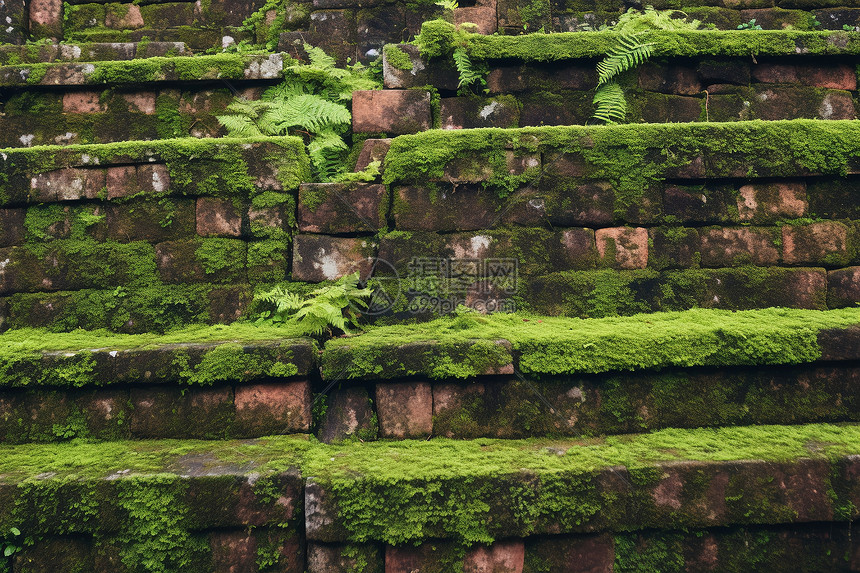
(627, 53)
(332, 307)
(634, 21)
(470, 74)
(311, 102)
(610, 104)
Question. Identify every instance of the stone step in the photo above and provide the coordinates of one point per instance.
(555, 377)
(608, 499)
(11, 54)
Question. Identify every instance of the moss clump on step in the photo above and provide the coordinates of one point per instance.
(397, 58)
(546, 345)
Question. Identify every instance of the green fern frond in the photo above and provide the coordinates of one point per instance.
(611, 106)
(469, 74)
(310, 112)
(239, 125)
(326, 150)
(627, 53)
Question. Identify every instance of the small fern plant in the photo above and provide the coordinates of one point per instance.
(334, 307)
(628, 52)
(311, 103)
(471, 75)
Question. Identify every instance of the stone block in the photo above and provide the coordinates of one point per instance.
(461, 208)
(770, 202)
(394, 112)
(11, 227)
(335, 32)
(837, 77)
(512, 79)
(843, 288)
(439, 73)
(124, 18)
(82, 102)
(186, 261)
(708, 203)
(46, 19)
(484, 17)
(372, 150)
(839, 343)
(218, 217)
(14, 16)
(54, 554)
(669, 79)
(778, 102)
(121, 181)
(67, 184)
(273, 408)
(233, 551)
(405, 409)
(672, 247)
(723, 72)
(153, 178)
(623, 247)
(469, 112)
(377, 27)
(148, 220)
(349, 413)
(500, 557)
(174, 413)
(321, 257)
(574, 554)
(342, 207)
(334, 558)
(817, 243)
(733, 246)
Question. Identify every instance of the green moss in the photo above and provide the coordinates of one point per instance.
(638, 554)
(632, 157)
(562, 346)
(397, 58)
(219, 254)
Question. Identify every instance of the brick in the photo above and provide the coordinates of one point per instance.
(82, 102)
(405, 409)
(46, 18)
(729, 246)
(770, 202)
(775, 73)
(332, 558)
(484, 17)
(724, 72)
(837, 105)
(180, 262)
(149, 220)
(513, 79)
(708, 203)
(818, 243)
(623, 247)
(469, 113)
(377, 27)
(233, 551)
(838, 77)
(174, 413)
(672, 247)
(272, 222)
(441, 73)
(125, 18)
(349, 413)
(153, 177)
(14, 16)
(11, 227)
(273, 408)
(574, 554)
(341, 207)
(218, 218)
(395, 112)
(121, 181)
(501, 557)
(669, 79)
(372, 150)
(476, 169)
(460, 208)
(320, 257)
(843, 288)
(424, 557)
(839, 343)
(67, 184)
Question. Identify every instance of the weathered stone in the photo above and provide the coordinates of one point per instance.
(233, 552)
(728, 246)
(218, 217)
(273, 408)
(320, 257)
(817, 243)
(13, 14)
(377, 27)
(460, 208)
(67, 184)
(185, 261)
(672, 247)
(500, 557)
(147, 220)
(125, 18)
(839, 343)
(46, 19)
(326, 558)
(681, 80)
(174, 413)
(468, 112)
(372, 150)
(82, 102)
(700, 203)
(623, 247)
(837, 77)
(482, 16)
(349, 413)
(770, 202)
(394, 112)
(580, 554)
(341, 207)
(723, 72)
(405, 409)
(843, 288)
(11, 227)
(513, 79)
(440, 74)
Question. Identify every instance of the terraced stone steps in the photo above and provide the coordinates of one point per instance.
(521, 504)
(457, 378)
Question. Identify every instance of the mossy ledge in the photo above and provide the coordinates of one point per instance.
(471, 344)
(408, 491)
(440, 38)
(199, 355)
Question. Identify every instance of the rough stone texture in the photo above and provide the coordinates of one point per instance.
(373, 150)
(14, 15)
(843, 287)
(46, 19)
(171, 413)
(405, 409)
(11, 226)
(349, 413)
(321, 257)
(218, 218)
(837, 77)
(679, 80)
(460, 208)
(327, 558)
(574, 554)
(770, 202)
(484, 17)
(441, 74)
(273, 408)
(623, 247)
(394, 112)
(501, 557)
(728, 247)
(68, 184)
(341, 207)
(818, 243)
(469, 113)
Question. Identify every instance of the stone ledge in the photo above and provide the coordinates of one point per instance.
(472, 344)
